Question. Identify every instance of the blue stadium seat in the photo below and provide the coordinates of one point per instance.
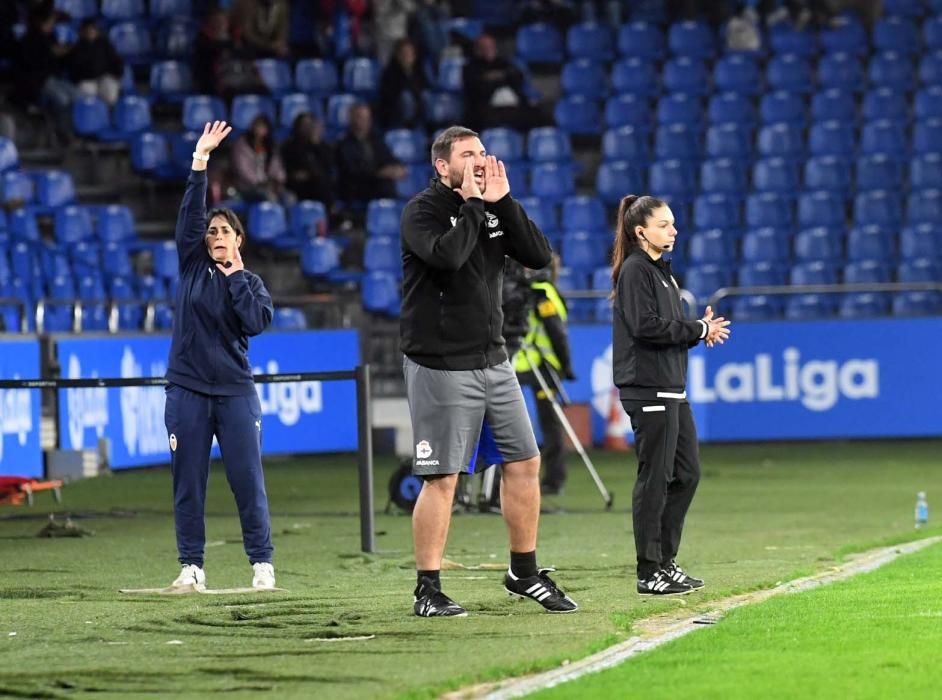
(361, 77)
(23, 261)
(821, 208)
(417, 177)
(625, 143)
(711, 246)
(718, 211)
(591, 40)
(246, 107)
(686, 74)
(539, 43)
(927, 136)
(723, 175)
(23, 226)
(767, 273)
(846, 34)
(615, 179)
(840, 70)
(691, 38)
(267, 221)
(115, 262)
(382, 253)
(919, 270)
(904, 8)
(442, 107)
(504, 144)
(784, 107)
(703, 280)
(817, 243)
(768, 209)
(729, 140)
(582, 250)
(288, 318)
(584, 213)
(603, 311)
(892, 70)
(293, 105)
(756, 307)
(601, 278)
(316, 76)
(132, 41)
(552, 181)
(451, 74)
(319, 257)
(917, 304)
(151, 288)
(383, 217)
(628, 110)
(200, 109)
(166, 264)
(91, 288)
(832, 138)
(641, 39)
(115, 223)
(885, 103)
(54, 188)
(780, 175)
(577, 115)
(584, 78)
(86, 258)
(878, 207)
(790, 73)
(932, 32)
(118, 10)
(737, 72)
(338, 112)
(921, 240)
(677, 141)
(729, 107)
(833, 104)
(924, 207)
(672, 179)
(160, 9)
(548, 144)
(813, 272)
(786, 39)
(78, 9)
(870, 271)
(885, 136)
(9, 157)
(275, 74)
(766, 245)
(930, 67)
(680, 108)
(928, 103)
(542, 213)
(810, 307)
(896, 34)
(90, 116)
(308, 219)
(864, 305)
(879, 171)
(407, 145)
(831, 173)
(636, 76)
(176, 37)
(131, 116)
(380, 293)
(783, 140)
(170, 81)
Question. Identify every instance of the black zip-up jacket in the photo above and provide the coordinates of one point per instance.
(453, 265)
(650, 335)
(215, 314)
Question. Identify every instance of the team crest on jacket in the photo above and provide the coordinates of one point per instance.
(492, 221)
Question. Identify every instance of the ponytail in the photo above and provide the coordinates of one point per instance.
(633, 210)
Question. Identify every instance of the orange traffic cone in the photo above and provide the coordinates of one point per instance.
(615, 429)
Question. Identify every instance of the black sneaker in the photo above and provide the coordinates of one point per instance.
(680, 576)
(431, 602)
(542, 589)
(662, 584)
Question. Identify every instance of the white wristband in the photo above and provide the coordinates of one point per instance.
(197, 156)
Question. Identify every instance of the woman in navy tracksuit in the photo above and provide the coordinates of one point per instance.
(211, 392)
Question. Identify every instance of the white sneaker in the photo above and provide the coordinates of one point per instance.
(264, 575)
(191, 575)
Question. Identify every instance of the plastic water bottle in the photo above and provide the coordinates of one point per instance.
(922, 510)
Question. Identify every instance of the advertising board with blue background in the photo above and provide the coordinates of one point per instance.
(20, 453)
(298, 417)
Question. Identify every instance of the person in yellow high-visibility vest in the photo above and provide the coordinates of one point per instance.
(546, 347)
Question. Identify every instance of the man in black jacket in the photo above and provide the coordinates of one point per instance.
(459, 381)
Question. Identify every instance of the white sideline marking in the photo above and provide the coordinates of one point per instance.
(188, 590)
(518, 687)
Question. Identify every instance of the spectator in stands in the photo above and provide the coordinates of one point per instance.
(429, 31)
(217, 68)
(94, 64)
(391, 22)
(37, 70)
(493, 91)
(400, 89)
(309, 161)
(257, 170)
(367, 168)
(261, 27)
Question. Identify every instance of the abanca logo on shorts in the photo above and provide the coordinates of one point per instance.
(422, 452)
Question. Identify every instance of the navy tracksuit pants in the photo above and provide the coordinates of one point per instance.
(192, 419)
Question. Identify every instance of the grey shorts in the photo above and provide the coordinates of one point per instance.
(449, 409)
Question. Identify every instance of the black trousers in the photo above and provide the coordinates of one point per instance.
(668, 474)
(553, 456)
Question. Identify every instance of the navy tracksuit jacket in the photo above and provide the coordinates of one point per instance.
(210, 390)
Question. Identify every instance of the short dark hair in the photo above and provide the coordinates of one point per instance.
(231, 218)
(441, 147)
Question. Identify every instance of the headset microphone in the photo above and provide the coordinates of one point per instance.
(662, 248)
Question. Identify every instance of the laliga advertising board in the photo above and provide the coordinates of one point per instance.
(792, 381)
(20, 453)
(296, 416)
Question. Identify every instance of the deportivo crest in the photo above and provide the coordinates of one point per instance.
(492, 221)
(173, 442)
(423, 450)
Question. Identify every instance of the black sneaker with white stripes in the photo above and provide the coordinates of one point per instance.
(662, 584)
(542, 589)
(431, 602)
(680, 576)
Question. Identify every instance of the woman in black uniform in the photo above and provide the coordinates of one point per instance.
(651, 338)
